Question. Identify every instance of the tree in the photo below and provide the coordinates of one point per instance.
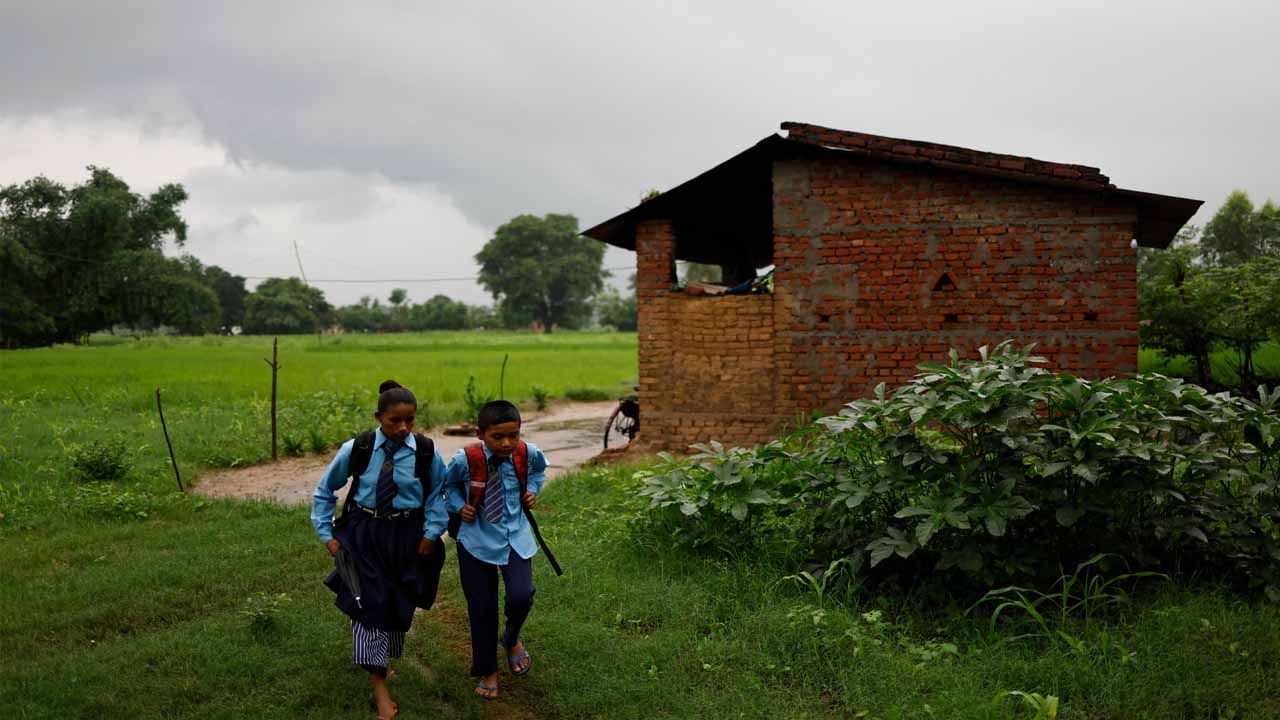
(439, 313)
(399, 315)
(1178, 302)
(154, 290)
(231, 294)
(56, 247)
(541, 270)
(1250, 310)
(1238, 233)
(616, 310)
(285, 306)
(365, 316)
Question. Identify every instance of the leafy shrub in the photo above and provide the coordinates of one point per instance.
(474, 399)
(540, 396)
(292, 444)
(1001, 469)
(99, 460)
(318, 443)
(716, 496)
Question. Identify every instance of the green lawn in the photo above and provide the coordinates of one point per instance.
(124, 617)
(127, 600)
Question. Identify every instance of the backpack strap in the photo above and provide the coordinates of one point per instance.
(423, 460)
(361, 453)
(479, 469)
(520, 459)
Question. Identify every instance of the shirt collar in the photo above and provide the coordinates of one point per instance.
(379, 438)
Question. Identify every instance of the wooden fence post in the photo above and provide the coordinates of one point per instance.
(274, 362)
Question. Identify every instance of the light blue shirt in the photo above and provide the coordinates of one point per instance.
(492, 542)
(408, 490)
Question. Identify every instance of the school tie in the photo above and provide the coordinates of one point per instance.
(494, 500)
(386, 490)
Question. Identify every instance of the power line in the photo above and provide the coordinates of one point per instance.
(401, 280)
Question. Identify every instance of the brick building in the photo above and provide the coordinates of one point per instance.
(885, 253)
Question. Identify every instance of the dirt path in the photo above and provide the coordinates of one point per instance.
(570, 434)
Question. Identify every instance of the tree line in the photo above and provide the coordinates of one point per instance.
(1216, 287)
(86, 258)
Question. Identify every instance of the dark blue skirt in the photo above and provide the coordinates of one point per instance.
(394, 580)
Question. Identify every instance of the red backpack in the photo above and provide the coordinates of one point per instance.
(479, 468)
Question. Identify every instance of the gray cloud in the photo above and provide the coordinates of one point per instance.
(579, 107)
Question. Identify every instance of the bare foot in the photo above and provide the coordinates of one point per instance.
(386, 707)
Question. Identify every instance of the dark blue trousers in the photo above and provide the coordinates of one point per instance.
(480, 586)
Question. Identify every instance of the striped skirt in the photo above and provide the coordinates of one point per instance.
(374, 648)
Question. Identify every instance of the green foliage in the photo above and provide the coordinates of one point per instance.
(1239, 233)
(318, 443)
(615, 311)
(1044, 706)
(540, 396)
(439, 313)
(715, 497)
(995, 469)
(59, 253)
(1086, 594)
(99, 460)
(474, 399)
(541, 270)
(587, 394)
(262, 611)
(284, 307)
(292, 444)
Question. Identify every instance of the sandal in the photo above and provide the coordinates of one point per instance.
(486, 692)
(520, 664)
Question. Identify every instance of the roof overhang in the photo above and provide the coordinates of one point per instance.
(733, 201)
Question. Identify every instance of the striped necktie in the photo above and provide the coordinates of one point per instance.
(494, 498)
(386, 491)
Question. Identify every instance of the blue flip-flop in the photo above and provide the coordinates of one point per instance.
(487, 688)
(514, 661)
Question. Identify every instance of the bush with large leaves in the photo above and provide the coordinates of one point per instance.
(995, 469)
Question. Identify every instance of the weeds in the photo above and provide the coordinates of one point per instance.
(318, 443)
(1045, 706)
(99, 460)
(262, 611)
(540, 396)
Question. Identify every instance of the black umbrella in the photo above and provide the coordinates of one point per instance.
(344, 567)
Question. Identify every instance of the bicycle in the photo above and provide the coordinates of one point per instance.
(623, 422)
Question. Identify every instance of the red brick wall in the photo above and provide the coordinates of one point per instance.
(860, 246)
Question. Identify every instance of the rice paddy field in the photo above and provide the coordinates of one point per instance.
(216, 392)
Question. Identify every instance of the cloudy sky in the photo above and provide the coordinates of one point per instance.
(389, 139)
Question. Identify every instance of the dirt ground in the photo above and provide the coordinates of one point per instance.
(570, 434)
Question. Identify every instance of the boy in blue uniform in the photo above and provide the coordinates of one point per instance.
(487, 485)
(390, 530)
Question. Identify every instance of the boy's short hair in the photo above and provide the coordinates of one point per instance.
(496, 413)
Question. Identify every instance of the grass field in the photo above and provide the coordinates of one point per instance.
(1223, 364)
(127, 600)
(217, 391)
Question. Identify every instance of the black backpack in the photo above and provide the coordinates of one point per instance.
(362, 452)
